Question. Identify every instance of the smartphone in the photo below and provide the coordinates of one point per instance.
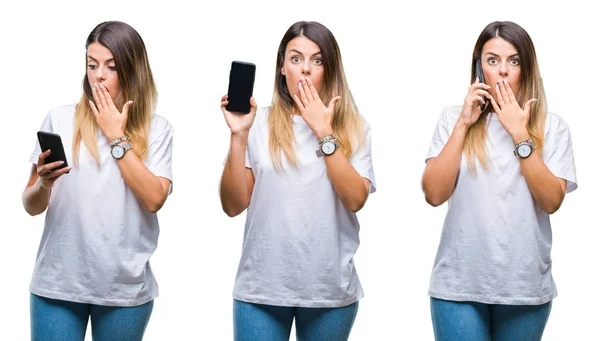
(479, 73)
(241, 85)
(52, 141)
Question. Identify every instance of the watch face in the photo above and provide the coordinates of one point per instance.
(524, 150)
(117, 151)
(328, 147)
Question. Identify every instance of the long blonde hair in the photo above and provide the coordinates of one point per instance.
(531, 87)
(137, 85)
(347, 122)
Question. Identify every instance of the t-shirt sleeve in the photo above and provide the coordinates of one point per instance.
(361, 160)
(37, 150)
(160, 155)
(440, 137)
(558, 153)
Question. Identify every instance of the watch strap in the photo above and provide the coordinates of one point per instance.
(118, 140)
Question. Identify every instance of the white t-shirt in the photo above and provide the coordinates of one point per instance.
(97, 238)
(299, 240)
(496, 242)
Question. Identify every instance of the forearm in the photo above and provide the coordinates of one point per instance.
(347, 183)
(146, 186)
(36, 198)
(545, 187)
(234, 187)
(441, 172)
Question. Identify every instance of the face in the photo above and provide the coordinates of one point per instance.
(101, 69)
(500, 61)
(303, 59)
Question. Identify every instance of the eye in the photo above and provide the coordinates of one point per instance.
(492, 61)
(295, 59)
(92, 66)
(515, 61)
(112, 68)
(318, 61)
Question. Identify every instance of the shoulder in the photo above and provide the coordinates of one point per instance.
(63, 112)
(555, 123)
(160, 125)
(452, 113)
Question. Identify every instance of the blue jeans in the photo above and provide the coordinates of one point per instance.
(56, 320)
(478, 321)
(257, 322)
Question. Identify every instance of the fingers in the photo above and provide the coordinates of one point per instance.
(224, 102)
(511, 95)
(504, 93)
(500, 96)
(333, 102)
(253, 106)
(312, 90)
(94, 110)
(299, 103)
(58, 173)
(42, 157)
(96, 95)
(477, 86)
(126, 108)
(44, 170)
(495, 105)
(107, 99)
(302, 93)
(528, 105)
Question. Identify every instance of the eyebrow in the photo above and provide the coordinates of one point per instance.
(298, 52)
(495, 55)
(107, 61)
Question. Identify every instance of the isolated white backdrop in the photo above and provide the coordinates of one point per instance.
(404, 64)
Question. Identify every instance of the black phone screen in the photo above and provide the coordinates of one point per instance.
(52, 141)
(241, 85)
(479, 73)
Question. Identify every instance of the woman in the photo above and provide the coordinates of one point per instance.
(101, 226)
(505, 170)
(302, 168)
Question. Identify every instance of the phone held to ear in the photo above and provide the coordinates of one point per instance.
(52, 141)
(241, 85)
(479, 73)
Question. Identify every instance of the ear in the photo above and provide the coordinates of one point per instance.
(282, 72)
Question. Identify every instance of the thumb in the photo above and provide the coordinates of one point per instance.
(126, 107)
(333, 102)
(528, 105)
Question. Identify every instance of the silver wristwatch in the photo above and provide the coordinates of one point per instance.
(524, 149)
(118, 150)
(327, 148)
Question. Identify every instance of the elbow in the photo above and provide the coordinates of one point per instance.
(356, 205)
(550, 209)
(232, 211)
(434, 200)
(154, 206)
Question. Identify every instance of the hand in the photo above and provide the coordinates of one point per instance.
(316, 115)
(47, 176)
(238, 123)
(475, 97)
(511, 116)
(109, 119)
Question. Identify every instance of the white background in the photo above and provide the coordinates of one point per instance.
(403, 64)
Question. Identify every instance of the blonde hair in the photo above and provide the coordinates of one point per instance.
(531, 86)
(347, 122)
(137, 85)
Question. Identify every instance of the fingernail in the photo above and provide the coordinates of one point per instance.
(60, 162)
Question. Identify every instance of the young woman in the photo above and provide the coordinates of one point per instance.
(101, 226)
(302, 168)
(504, 169)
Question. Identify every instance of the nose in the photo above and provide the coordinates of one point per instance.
(306, 68)
(100, 74)
(503, 70)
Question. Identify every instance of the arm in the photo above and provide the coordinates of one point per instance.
(547, 189)
(350, 187)
(237, 181)
(41, 180)
(441, 172)
(150, 190)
